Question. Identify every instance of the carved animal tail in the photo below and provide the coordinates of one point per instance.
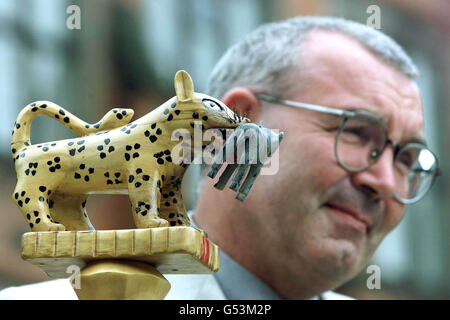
(21, 132)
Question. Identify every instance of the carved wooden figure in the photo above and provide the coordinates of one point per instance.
(54, 179)
(114, 156)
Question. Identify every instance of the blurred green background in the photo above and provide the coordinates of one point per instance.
(126, 54)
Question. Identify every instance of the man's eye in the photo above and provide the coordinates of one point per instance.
(355, 133)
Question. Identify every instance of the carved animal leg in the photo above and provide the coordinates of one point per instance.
(70, 210)
(34, 206)
(145, 195)
(172, 208)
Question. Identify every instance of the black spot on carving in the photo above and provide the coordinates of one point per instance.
(38, 220)
(91, 170)
(130, 178)
(42, 188)
(107, 141)
(147, 133)
(128, 148)
(127, 157)
(72, 152)
(81, 149)
(80, 142)
(70, 143)
(41, 199)
(144, 212)
(100, 148)
(45, 149)
(160, 161)
(20, 203)
(117, 174)
(136, 155)
(146, 177)
(109, 182)
(17, 125)
(57, 159)
(169, 159)
(86, 178)
(34, 109)
(77, 175)
(102, 155)
(174, 105)
(153, 138)
(111, 149)
(170, 117)
(177, 112)
(119, 116)
(137, 146)
(158, 131)
(27, 200)
(66, 120)
(107, 174)
(137, 184)
(166, 111)
(205, 118)
(153, 126)
(82, 166)
(61, 112)
(195, 115)
(138, 170)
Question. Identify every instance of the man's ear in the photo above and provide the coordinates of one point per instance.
(244, 101)
(184, 87)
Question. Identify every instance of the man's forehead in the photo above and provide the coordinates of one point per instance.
(339, 72)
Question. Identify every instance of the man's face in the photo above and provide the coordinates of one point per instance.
(305, 207)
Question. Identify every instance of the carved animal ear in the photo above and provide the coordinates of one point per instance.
(184, 87)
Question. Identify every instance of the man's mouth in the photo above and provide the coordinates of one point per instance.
(350, 216)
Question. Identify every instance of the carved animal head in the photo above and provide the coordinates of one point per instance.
(212, 112)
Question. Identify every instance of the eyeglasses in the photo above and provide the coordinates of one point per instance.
(361, 139)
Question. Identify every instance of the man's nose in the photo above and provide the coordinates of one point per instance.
(378, 181)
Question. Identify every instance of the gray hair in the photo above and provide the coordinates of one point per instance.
(265, 58)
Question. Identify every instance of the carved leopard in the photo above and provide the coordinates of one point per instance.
(54, 179)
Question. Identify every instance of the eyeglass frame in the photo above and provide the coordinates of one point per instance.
(347, 114)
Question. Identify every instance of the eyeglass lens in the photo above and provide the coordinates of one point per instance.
(361, 140)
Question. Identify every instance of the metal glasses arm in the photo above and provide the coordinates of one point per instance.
(307, 106)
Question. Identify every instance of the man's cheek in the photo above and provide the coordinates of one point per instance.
(393, 215)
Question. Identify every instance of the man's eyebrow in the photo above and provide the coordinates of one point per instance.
(417, 139)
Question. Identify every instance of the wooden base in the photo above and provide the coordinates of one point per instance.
(121, 280)
(122, 264)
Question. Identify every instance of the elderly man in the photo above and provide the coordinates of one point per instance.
(345, 96)
(353, 156)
